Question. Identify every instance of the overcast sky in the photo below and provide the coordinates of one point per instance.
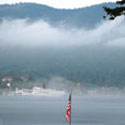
(61, 3)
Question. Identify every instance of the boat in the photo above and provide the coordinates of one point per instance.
(38, 91)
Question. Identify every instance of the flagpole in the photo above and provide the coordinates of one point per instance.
(68, 110)
(70, 118)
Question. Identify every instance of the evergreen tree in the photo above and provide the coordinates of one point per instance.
(117, 11)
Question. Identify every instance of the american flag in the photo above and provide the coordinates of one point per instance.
(68, 110)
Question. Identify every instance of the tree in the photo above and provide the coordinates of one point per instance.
(117, 11)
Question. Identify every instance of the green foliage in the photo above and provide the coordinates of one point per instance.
(121, 2)
(117, 11)
(93, 66)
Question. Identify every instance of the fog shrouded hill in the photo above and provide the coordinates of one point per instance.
(42, 50)
(87, 16)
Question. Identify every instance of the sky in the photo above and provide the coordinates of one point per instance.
(69, 4)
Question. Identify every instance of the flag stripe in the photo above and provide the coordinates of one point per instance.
(68, 110)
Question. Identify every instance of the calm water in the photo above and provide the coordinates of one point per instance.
(29, 110)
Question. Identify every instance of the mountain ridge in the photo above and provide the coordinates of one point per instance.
(81, 17)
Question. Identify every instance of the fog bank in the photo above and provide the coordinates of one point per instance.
(41, 34)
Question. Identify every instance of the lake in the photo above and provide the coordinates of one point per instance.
(38, 110)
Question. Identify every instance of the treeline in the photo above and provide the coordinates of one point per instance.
(92, 66)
